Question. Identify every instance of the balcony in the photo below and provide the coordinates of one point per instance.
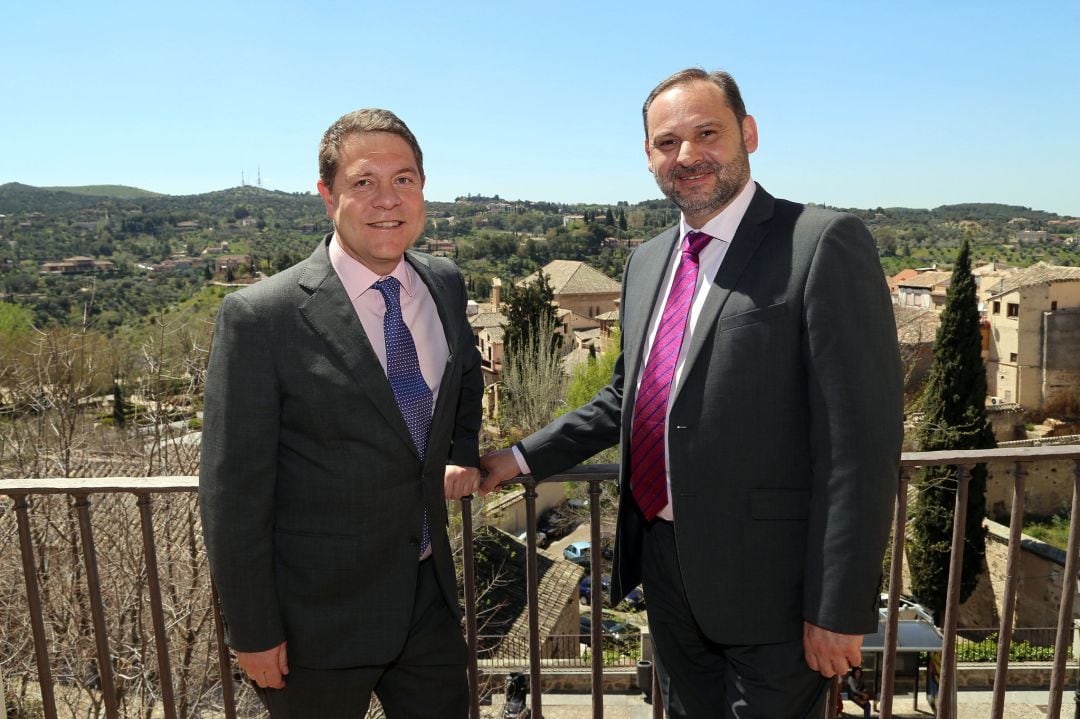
(113, 613)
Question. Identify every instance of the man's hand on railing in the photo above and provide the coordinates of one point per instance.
(266, 668)
(500, 466)
(460, 482)
(830, 653)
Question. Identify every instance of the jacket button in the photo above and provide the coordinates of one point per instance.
(414, 540)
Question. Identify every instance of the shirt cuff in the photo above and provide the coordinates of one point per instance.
(520, 459)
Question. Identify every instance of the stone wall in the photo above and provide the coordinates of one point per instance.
(1048, 487)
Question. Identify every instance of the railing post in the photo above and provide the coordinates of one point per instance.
(228, 692)
(33, 598)
(1016, 526)
(1065, 611)
(596, 600)
(161, 639)
(532, 576)
(468, 560)
(97, 607)
(896, 578)
(946, 687)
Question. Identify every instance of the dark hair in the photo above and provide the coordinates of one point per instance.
(355, 123)
(721, 79)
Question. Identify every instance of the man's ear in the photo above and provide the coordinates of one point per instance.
(749, 133)
(327, 198)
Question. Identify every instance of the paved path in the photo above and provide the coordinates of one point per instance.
(970, 705)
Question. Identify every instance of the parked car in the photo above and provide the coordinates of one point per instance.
(585, 589)
(578, 552)
(542, 540)
(555, 525)
(613, 631)
(634, 601)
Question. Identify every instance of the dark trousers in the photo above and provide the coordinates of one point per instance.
(702, 679)
(428, 678)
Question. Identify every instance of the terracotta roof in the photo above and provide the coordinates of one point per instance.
(928, 280)
(571, 277)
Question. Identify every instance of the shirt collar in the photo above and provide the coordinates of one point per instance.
(723, 226)
(357, 278)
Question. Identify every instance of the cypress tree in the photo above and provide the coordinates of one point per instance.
(954, 417)
(119, 411)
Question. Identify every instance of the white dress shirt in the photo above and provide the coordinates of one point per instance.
(722, 228)
(417, 309)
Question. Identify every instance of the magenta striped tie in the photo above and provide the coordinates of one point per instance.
(648, 472)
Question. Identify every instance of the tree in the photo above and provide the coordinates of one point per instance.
(622, 219)
(530, 314)
(119, 411)
(954, 407)
(609, 218)
(532, 369)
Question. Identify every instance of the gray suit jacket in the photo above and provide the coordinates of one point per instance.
(784, 431)
(311, 490)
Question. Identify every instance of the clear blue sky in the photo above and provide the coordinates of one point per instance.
(870, 104)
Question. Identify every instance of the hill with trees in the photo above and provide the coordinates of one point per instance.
(163, 247)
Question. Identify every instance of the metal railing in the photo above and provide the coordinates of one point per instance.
(147, 491)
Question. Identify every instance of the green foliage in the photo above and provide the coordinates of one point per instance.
(987, 649)
(954, 417)
(14, 319)
(1053, 531)
(530, 318)
(589, 378)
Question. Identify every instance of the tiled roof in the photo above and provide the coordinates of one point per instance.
(487, 319)
(916, 325)
(1038, 274)
(927, 280)
(504, 605)
(571, 277)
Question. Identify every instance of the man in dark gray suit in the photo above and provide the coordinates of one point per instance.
(342, 409)
(758, 402)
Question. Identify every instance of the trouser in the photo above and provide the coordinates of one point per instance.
(427, 679)
(702, 679)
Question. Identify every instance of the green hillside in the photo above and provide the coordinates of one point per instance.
(120, 192)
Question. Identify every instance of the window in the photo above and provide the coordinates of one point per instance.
(1053, 305)
(1012, 356)
(1012, 310)
(997, 307)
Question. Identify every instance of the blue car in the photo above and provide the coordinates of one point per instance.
(585, 588)
(578, 552)
(635, 600)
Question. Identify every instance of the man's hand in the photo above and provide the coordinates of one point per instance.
(460, 482)
(500, 466)
(829, 653)
(266, 668)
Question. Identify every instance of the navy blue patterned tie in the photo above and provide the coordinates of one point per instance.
(411, 392)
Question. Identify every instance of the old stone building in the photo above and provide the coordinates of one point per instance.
(1034, 352)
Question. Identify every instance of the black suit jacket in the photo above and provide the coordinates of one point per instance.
(311, 490)
(784, 431)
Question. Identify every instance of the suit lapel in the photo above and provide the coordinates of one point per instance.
(330, 313)
(444, 302)
(752, 230)
(641, 301)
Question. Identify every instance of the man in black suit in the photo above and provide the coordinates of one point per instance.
(342, 409)
(758, 404)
